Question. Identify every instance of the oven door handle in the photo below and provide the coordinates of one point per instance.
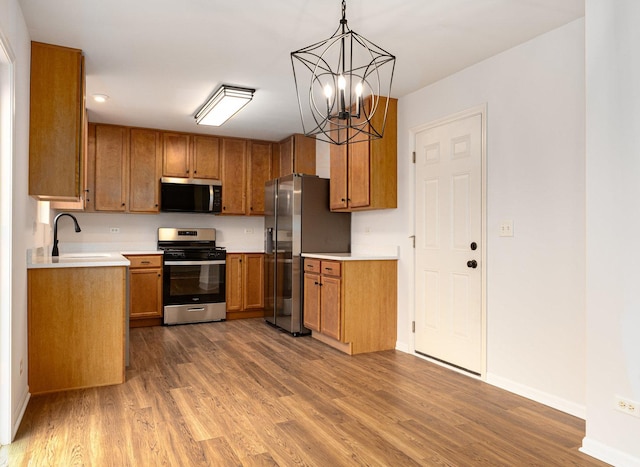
(192, 263)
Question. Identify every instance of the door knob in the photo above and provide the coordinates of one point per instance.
(472, 264)
(473, 246)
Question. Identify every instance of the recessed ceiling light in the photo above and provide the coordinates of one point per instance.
(100, 97)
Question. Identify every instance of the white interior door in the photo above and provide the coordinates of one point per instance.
(448, 317)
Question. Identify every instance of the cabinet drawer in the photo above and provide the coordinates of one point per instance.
(312, 265)
(151, 261)
(331, 268)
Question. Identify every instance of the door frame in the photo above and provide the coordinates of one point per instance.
(481, 110)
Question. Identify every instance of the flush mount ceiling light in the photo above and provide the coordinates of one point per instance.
(223, 105)
(100, 98)
(342, 82)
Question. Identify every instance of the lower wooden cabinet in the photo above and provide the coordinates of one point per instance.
(145, 290)
(245, 285)
(76, 327)
(351, 305)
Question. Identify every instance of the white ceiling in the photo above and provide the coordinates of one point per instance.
(159, 60)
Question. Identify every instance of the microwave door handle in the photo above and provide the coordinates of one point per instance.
(210, 198)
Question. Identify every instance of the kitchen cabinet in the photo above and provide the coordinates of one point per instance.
(190, 156)
(110, 162)
(364, 175)
(56, 123)
(145, 290)
(123, 169)
(246, 166)
(351, 305)
(245, 285)
(296, 154)
(258, 173)
(76, 327)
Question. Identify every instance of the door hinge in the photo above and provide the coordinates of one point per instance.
(413, 326)
(413, 239)
(414, 157)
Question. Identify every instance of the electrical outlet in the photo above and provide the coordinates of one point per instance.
(506, 229)
(367, 230)
(114, 230)
(627, 406)
(248, 231)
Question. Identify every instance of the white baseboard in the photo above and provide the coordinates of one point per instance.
(545, 398)
(23, 407)
(402, 347)
(608, 454)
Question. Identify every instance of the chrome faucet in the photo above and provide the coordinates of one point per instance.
(54, 252)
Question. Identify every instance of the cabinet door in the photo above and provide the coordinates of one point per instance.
(175, 155)
(259, 173)
(312, 301)
(111, 168)
(55, 125)
(338, 174)
(234, 281)
(253, 281)
(234, 162)
(330, 318)
(359, 172)
(206, 157)
(286, 157)
(304, 155)
(145, 293)
(144, 170)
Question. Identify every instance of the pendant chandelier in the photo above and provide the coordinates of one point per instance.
(342, 82)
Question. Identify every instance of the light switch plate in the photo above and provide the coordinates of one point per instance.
(506, 229)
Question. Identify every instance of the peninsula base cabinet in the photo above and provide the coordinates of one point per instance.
(145, 290)
(351, 305)
(76, 327)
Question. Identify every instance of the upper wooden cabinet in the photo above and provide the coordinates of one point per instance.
(111, 157)
(145, 159)
(190, 156)
(296, 154)
(124, 169)
(246, 166)
(56, 122)
(259, 171)
(364, 175)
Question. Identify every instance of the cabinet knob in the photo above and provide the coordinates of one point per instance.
(122, 204)
(159, 275)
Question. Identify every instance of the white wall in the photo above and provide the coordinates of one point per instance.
(535, 154)
(613, 227)
(140, 232)
(14, 30)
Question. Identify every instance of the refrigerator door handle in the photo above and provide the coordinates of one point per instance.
(269, 240)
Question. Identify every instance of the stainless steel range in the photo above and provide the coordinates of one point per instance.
(193, 275)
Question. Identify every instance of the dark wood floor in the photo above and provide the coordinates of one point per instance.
(242, 393)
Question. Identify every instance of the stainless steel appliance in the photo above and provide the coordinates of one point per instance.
(190, 195)
(297, 219)
(193, 276)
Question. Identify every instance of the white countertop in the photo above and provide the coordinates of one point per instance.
(76, 260)
(350, 256)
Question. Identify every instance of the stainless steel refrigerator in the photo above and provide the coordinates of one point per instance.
(297, 220)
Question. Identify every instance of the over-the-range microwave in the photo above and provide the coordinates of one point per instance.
(190, 195)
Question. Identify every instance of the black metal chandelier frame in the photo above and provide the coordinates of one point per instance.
(341, 101)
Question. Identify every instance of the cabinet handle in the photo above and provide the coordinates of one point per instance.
(328, 269)
(159, 275)
(315, 283)
(343, 200)
(122, 205)
(145, 262)
(187, 172)
(195, 172)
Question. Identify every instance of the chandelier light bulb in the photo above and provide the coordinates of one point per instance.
(359, 89)
(342, 83)
(328, 91)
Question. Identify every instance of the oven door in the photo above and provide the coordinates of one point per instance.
(193, 282)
